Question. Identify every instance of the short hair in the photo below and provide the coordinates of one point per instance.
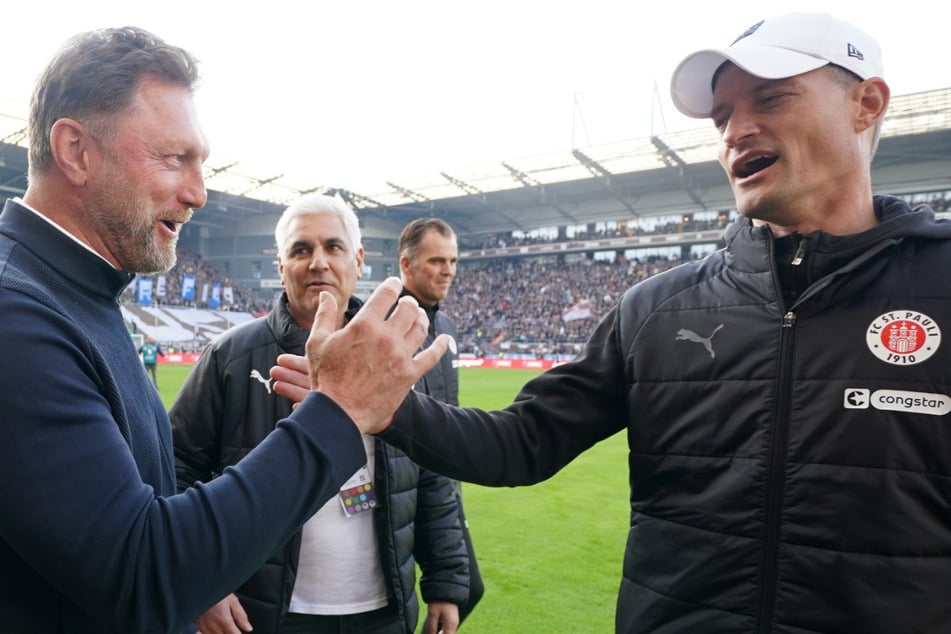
(846, 79)
(412, 235)
(314, 205)
(94, 76)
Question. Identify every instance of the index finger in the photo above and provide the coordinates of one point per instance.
(382, 300)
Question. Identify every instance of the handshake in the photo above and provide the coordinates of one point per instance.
(368, 366)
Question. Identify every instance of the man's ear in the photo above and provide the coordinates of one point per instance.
(873, 96)
(69, 143)
(359, 262)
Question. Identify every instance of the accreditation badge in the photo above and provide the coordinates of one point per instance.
(357, 494)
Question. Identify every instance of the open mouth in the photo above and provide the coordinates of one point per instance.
(755, 165)
(172, 226)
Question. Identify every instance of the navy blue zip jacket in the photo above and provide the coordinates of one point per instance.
(92, 537)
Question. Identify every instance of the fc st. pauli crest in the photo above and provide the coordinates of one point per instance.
(903, 337)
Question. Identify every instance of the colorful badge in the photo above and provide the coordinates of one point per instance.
(357, 494)
(903, 337)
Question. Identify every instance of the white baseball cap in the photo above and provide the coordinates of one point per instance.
(776, 48)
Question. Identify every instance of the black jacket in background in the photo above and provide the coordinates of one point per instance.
(442, 383)
(223, 412)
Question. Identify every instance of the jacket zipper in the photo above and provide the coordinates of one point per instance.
(800, 252)
(776, 476)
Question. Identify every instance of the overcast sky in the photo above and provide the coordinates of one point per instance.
(352, 94)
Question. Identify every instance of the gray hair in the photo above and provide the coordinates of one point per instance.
(316, 204)
(94, 77)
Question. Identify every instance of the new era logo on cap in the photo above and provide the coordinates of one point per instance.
(748, 32)
(777, 48)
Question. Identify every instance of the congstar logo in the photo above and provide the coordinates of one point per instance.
(897, 401)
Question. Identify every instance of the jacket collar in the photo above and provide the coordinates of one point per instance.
(750, 248)
(290, 336)
(68, 258)
(430, 310)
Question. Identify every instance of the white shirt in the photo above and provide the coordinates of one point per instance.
(339, 570)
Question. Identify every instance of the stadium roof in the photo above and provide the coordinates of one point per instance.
(664, 173)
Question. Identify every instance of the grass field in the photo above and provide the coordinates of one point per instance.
(551, 553)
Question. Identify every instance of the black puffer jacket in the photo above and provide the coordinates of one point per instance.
(224, 410)
(790, 466)
(442, 383)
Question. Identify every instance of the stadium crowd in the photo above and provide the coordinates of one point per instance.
(191, 263)
(523, 305)
(514, 239)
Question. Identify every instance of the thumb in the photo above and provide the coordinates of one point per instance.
(426, 360)
(325, 321)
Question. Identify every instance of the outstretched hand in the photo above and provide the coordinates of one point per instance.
(368, 366)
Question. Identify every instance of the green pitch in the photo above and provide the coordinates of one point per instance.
(551, 553)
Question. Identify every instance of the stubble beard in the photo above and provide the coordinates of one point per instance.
(134, 242)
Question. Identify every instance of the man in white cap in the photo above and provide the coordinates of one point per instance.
(793, 473)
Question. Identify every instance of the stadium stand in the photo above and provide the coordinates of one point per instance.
(184, 328)
(513, 307)
(189, 324)
(547, 242)
(191, 263)
(516, 307)
(619, 229)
